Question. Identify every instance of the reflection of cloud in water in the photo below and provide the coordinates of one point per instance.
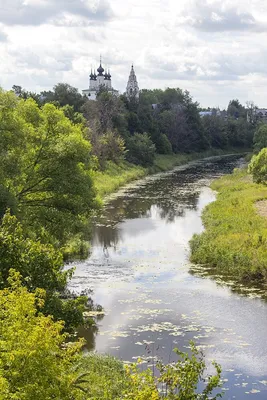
(138, 270)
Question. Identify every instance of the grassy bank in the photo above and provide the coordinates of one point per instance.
(117, 175)
(235, 237)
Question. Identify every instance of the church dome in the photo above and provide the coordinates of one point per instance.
(106, 76)
(91, 76)
(100, 69)
(109, 76)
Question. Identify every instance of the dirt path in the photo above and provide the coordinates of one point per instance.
(261, 207)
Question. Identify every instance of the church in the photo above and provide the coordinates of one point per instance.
(102, 80)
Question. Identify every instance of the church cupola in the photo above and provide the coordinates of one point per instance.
(109, 76)
(91, 76)
(100, 69)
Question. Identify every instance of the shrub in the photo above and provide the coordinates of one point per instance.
(260, 137)
(35, 361)
(258, 167)
(107, 147)
(163, 145)
(41, 266)
(141, 149)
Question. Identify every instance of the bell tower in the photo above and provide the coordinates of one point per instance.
(132, 89)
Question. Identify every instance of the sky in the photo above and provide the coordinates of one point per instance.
(215, 49)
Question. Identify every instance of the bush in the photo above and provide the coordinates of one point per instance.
(110, 380)
(35, 361)
(163, 145)
(107, 147)
(260, 137)
(258, 167)
(41, 266)
(141, 149)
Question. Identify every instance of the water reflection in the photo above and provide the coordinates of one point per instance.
(139, 271)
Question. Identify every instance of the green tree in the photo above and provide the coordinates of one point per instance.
(141, 149)
(41, 266)
(75, 117)
(215, 131)
(260, 137)
(236, 110)
(66, 94)
(35, 362)
(45, 165)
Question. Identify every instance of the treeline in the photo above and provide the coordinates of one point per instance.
(162, 121)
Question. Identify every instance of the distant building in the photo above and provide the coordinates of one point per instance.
(98, 82)
(132, 89)
(214, 112)
(257, 114)
(205, 113)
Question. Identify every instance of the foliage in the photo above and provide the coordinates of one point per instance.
(235, 109)
(162, 143)
(35, 362)
(66, 94)
(115, 176)
(182, 378)
(41, 266)
(45, 167)
(106, 376)
(103, 114)
(258, 167)
(260, 137)
(108, 147)
(141, 149)
(110, 380)
(74, 116)
(216, 131)
(235, 236)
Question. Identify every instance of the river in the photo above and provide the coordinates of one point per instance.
(154, 300)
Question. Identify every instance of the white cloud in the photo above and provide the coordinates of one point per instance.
(215, 50)
(36, 12)
(219, 16)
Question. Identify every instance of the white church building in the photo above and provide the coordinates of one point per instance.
(102, 80)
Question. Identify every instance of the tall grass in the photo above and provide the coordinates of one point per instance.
(235, 236)
(115, 176)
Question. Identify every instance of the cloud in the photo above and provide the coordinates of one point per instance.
(3, 37)
(217, 17)
(205, 64)
(37, 12)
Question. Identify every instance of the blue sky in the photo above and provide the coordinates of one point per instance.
(215, 49)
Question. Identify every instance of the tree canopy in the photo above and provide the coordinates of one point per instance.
(45, 166)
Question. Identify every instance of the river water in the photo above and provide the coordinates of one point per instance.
(154, 300)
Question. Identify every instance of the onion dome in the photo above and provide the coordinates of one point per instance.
(106, 76)
(94, 76)
(109, 76)
(100, 70)
(91, 76)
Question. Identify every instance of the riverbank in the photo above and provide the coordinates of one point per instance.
(117, 175)
(235, 238)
